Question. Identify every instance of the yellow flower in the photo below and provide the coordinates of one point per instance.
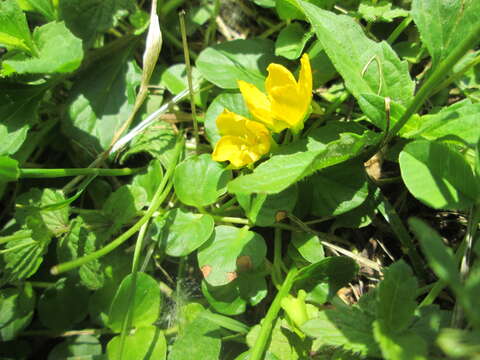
(287, 101)
(243, 141)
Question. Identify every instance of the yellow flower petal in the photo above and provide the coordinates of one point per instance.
(278, 75)
(290, 100)
(243, 141)
(305, 82)
(257, 102)
(229, 148)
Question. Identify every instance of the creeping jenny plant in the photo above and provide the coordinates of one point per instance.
(287, 101)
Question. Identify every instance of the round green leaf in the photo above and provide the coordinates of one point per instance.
(231, 250)
(199, 180)
(230, 101)
(201, 339)
(224, 299)
(438, 175)
(338, 189)
(226, 63)
(16, 310)
(184, 232)
(63, 305)
(291, 40)
(144, 304)
(150, 179)
(147, 343)
(83, 347)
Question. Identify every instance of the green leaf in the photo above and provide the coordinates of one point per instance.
(80, 241)
(358, 59)
(308, 246)
(338, 189)
(374, 107)
(175, 78)
(452, 124)
(444, 24)
(200, 181)
(335, 271)
(226, 63)
(323, 69)
(88, 18)
(22, 257)
(114, 268)
(158, 141)
(472, 301)
(225, 322)
(83, 347)
(58, 52)
(230, 101)
(9, 170)
(101, 100)
(146, 343)
(326, 146)
(380, 11)
(16, 310)
(440, 257)
(225, 299)
(291, 41)
(30, 204)
(438, 175)
(18, 112)
(149, 180)
(457, 343)
(396, 295)
(14, 31)
(199, 340)
(63, 305)
(288, 10)
(405, 346)
(346, 327)
(123, 205)
(44, 7)
(262, 209)
(140, 294)
(229, 251)
(284, 344)
(183, 232)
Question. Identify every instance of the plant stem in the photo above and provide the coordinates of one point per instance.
(186, 54)
(443, 68)
(267, 325)
(54, 173)
(157, 200)
(399, 29)
(473, 220)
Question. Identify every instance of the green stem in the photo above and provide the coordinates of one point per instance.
(399, 29)
(157, 200)
(54, 173)
(443, 68)
(267, 324)
(473, 220)
(186, 53)
(229, 219)
(457, 75)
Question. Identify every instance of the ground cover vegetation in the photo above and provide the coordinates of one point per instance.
(264, 179)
